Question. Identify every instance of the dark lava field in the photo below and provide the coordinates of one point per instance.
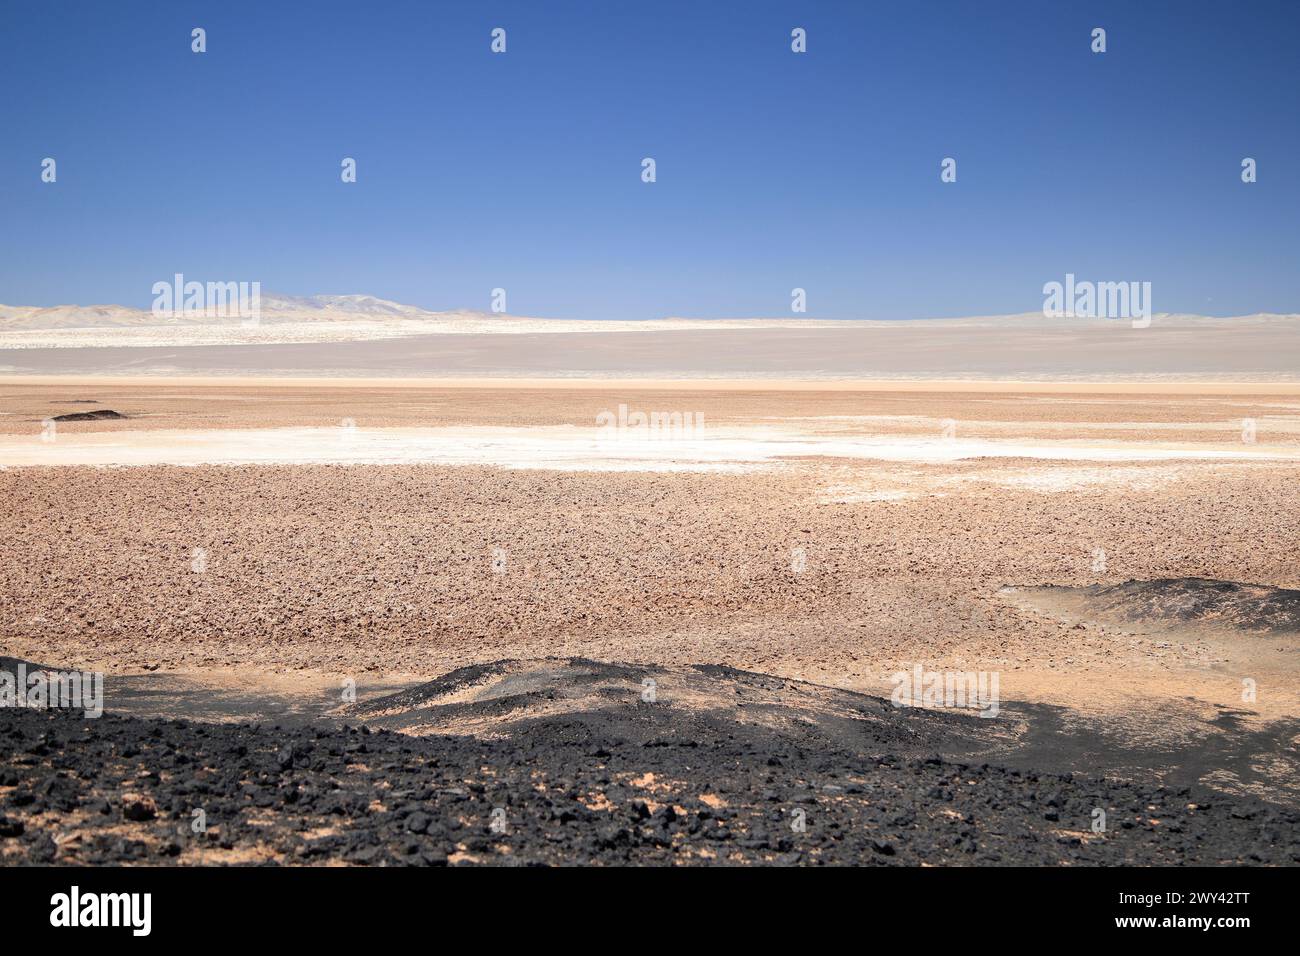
(581, 768)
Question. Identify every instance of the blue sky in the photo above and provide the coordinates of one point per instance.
(775, 170)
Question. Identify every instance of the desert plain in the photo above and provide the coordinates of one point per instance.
(271, 558)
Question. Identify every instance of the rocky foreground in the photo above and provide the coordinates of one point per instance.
(629, 783)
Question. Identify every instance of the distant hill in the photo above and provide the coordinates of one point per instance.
(277, 308)
(274, 308)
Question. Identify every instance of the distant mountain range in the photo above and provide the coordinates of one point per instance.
(362, 335)
(369, 309)
(274, 308)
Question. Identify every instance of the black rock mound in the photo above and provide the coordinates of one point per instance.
(645, 705)
(1203, 603)
(100, 414)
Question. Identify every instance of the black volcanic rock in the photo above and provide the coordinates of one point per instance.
(98, 415)
(1205, 602)
(538, 796)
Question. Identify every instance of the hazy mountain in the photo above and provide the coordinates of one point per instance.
(276, 308)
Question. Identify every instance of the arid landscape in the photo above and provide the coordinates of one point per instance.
(571, 436)
(403, 621)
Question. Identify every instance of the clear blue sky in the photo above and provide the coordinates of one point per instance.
(775, 170)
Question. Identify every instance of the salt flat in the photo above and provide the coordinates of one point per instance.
(571, 448)
(1009, 350)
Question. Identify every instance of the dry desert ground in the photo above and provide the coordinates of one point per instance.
(237, 550)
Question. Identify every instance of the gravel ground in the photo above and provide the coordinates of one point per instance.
(349, 570)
